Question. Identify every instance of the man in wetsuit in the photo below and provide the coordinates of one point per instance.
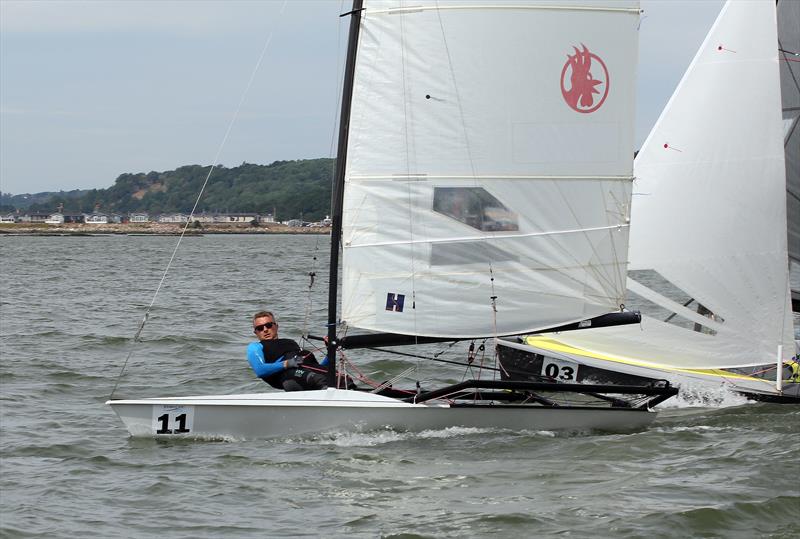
(281, 362)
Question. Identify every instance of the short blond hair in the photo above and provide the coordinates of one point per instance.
(262, 314)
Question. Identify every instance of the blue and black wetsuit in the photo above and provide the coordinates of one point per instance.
(267, 357)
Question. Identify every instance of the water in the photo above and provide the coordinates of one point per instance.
(70, 307)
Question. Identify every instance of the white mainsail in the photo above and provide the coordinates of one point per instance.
(709, 211)
(476, 170)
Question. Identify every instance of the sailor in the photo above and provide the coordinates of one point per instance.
(794, 370)
(281, 362)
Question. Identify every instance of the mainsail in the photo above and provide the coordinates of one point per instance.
(489, 165)
(709, 215)
(789, 61)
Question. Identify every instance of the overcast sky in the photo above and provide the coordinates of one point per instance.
(90, 90)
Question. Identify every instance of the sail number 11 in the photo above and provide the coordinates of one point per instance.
(172, 419)
(164, 420)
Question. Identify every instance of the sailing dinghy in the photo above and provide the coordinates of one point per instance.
(482, 188)
(709, 255)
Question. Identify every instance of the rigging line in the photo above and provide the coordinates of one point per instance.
(602, 275)
(310, 298)
(619, 277)
(136, 338)
(789, 135)
(339, 84)
(471, 360)
(785, 317)
(786, 59)
(338, 94)
(409, 199)
(458, 98)
(459, 103)
(393, 380)
(429, 358)
(494, 320)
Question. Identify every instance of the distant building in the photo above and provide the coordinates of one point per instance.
(95, 219)
(204, 218)
(8, 218)
(268, 218)
(34, 218)
(138, 217)
(294, 223)
(173, 218)
(55, 219)
(73, 218)
(236, 217)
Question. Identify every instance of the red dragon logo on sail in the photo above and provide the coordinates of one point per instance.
(582, 85)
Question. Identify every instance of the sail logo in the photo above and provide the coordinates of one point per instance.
(579, 87)
(394, 302)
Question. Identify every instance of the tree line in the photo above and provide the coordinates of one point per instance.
(290, 189)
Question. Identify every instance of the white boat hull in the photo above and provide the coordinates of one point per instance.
(264, 415)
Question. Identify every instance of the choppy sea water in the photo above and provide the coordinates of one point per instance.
(69, 307)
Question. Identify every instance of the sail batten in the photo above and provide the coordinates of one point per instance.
(421, 176)
(482, 238)
(546, 6)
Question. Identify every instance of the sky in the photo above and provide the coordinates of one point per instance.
(90, 90)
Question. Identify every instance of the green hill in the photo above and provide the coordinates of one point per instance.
(290, 188)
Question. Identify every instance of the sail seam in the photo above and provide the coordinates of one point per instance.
(508, 7)
(478, 238)
(425, 177)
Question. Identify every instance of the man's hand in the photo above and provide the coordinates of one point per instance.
(292, 363)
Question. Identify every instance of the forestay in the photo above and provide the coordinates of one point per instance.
(481, 164)
(709, 208)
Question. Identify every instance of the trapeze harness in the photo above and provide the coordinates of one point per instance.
(292, 379)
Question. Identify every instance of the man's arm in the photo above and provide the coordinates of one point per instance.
(255, 356)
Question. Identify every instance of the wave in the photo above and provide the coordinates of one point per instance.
(775, 517)
(693, 394)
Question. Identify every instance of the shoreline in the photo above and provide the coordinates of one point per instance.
(151, 229)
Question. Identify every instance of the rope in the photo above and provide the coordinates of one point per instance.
(434, 358)
(391, 381)
(310, 298)
(136, 338)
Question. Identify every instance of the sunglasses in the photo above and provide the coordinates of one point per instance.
(262, 327)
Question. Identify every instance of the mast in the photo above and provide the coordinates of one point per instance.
(337, 196)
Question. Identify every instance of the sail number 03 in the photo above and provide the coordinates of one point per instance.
(170, 419)
(565, 371)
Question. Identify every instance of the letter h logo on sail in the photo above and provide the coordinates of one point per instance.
(394, 302)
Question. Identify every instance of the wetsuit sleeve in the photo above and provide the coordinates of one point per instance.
(255, 356)
(324, 361)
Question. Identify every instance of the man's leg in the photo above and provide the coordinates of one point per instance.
(317, 381)
(291, 384)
